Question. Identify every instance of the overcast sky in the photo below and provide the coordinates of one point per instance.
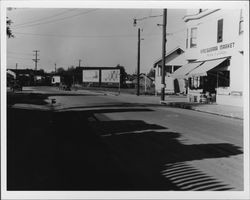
(99, 37)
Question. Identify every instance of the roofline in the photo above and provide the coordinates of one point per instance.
(167, 54)
(198, 15)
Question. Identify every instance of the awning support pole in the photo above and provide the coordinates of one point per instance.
(217, 79)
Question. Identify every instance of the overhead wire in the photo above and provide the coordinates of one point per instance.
(42, 19)
(13, 57)
(95, 36)
(18, 53)
(76, 36)
(55, 20)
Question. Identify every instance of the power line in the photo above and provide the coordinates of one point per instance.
(18, 53)
(51, 21)
(12, 57)
(76, 36)
(42, 19)
(95, 36)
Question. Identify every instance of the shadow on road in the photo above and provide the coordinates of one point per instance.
(36, 98)
(49, 150)
(27, 98)
(40, 99)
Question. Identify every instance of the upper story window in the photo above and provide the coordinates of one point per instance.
(220, 30)
(193, 38)
(241, 22)
(187, 39)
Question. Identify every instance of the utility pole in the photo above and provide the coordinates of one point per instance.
(139, 43)
(16, 65)
(80, 63)
(35, 60)
(138, 62)
(163, 54)
(55, 68)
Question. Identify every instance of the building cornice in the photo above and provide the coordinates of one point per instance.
(199, 15)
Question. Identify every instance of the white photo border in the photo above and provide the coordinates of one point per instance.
(114, 194)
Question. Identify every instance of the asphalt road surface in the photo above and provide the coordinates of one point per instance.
(85, 140)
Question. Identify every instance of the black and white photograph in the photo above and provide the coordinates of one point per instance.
(121, 100)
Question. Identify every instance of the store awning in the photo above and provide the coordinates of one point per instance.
(183, 71)
(208, 65)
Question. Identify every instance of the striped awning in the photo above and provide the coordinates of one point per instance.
(205, 67)
(183, 71)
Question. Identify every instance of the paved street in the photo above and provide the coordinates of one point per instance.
(93, 141)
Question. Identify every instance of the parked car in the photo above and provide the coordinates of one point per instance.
(64, 87)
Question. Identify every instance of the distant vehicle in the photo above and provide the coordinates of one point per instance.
(64, 87)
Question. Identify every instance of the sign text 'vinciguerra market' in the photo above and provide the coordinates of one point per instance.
(216, 48)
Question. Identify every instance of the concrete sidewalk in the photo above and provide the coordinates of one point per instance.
(181, 101)
(222, 110)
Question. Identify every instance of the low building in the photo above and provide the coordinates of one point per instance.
(30, 77)
(173, 61)
(11, 77)
(214, 52)
(55, 79)
(24, 76)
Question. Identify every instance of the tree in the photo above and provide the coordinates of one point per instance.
(60, 70)
(8, 30)
(123, 74)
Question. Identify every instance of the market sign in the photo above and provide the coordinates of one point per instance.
(110, 75)
(216, 48)
(90, 76)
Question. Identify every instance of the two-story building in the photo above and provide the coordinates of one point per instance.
(214, 52)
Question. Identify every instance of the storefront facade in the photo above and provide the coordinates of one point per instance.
(214, 47)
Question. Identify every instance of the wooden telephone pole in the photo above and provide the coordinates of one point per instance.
(163, 85)
(35, 60)
(138, 62)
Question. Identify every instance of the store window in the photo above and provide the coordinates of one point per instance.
(193, 39)
(158, 71)
(195, 82)
(220, 30)
(241, 22)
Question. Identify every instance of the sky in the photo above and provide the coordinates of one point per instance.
(98, 37)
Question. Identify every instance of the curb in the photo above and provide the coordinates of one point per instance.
(190, 107)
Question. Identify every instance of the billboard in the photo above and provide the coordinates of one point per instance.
(90, 76)
(110, 75)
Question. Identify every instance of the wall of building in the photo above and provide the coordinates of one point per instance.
(56, 79)
(208, 48)
(172, 85)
